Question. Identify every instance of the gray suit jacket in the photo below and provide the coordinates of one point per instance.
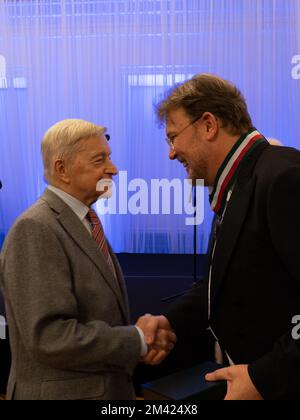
(67, 314)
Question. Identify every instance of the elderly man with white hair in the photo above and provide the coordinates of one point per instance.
(65, 295)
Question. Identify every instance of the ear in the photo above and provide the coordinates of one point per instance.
(61, 171)
(211, 125)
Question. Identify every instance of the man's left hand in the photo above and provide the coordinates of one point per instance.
(239, 384)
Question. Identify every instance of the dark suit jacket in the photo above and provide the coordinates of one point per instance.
(68, 315)
(255, 286)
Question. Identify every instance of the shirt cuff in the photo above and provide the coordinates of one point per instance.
(144, 347)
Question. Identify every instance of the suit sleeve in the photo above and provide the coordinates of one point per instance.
(37, 279)
(277, 374)
(190, 313)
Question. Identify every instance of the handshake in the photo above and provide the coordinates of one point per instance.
(159, 338)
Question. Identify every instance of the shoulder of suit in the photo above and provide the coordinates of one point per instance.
(38, 214)
(276, 163)
(275, 160)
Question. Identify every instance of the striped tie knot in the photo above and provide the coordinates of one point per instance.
(99, 237)
(93, 218)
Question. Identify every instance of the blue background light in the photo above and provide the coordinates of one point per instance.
(109, 61)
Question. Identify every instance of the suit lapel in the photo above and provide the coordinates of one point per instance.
(233, 222)
(76, 230)
(229, 233)
(121, 282)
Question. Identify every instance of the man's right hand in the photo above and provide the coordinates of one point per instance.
(158, 336)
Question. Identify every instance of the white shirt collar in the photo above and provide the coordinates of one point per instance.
(78, 207)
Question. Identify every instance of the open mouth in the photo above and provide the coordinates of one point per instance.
(186, 166)
(183, 162)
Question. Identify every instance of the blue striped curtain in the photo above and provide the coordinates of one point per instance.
(109, 61)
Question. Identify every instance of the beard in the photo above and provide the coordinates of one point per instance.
(197, 170)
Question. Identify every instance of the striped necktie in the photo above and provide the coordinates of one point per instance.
(99, 237)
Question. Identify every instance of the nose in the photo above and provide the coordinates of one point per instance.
(111, 169)
(172, 154)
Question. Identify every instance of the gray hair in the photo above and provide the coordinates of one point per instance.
(208, 93)
(62, 140)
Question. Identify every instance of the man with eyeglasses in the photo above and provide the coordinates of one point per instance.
(64, 291)
(252, 291)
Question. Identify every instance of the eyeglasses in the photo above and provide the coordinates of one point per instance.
(170, 140)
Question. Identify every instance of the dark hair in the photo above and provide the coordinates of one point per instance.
(208, 93)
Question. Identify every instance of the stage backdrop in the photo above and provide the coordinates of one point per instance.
(108, 62)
